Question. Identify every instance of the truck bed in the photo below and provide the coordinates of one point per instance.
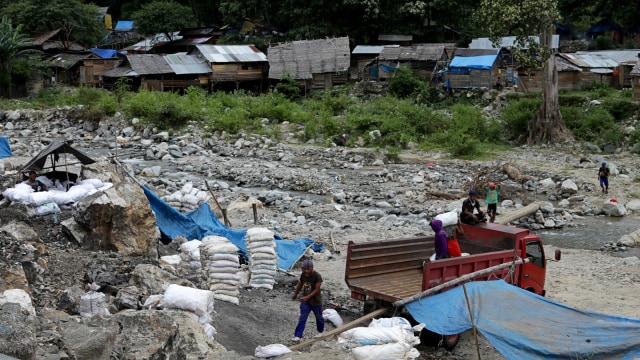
(396, 269)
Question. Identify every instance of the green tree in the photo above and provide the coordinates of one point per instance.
(75, 19)
(163, 16)
(13, 46)
(524, 19)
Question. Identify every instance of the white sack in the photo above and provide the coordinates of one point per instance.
(333, 316)
(198, 301)
(363, 336)
(271, 351)
(18, 296)
(48, 208)
(230, 299)
(393, 351)
(448, 218)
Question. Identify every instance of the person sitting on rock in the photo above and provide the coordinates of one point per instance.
(35, 184)
(468, 206)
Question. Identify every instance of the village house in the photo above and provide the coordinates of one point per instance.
(635, 80)
(472, 68)
(315, 64)
(235, 64)
(424, 60)
(362, 57)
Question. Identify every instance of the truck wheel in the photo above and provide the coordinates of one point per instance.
(450, 341)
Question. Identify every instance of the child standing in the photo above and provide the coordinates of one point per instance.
(493, 191)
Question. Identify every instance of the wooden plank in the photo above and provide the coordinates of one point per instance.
(339, 330)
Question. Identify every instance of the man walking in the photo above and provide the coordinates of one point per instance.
(311, 299)
(603, 176)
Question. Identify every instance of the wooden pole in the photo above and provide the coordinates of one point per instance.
(339, 330)
(473, 325)
(520, 213)
(255, 213)
(456, 281)
(224, 211)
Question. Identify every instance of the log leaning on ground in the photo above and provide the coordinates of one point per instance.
(444, 195)
(514, 174)
(402, 302)
(520, 213)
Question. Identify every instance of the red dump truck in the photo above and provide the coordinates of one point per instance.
(382, 273)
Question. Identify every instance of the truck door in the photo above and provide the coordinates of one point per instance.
(533, 273)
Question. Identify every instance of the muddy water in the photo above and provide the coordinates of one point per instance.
(592, 233)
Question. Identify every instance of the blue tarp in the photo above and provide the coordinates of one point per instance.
(203, 222)
(5, 149)
(523, 325)
(464, 63)
(124, 25)
(105, 53)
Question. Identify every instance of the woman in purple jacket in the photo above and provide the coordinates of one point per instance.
(440, 240)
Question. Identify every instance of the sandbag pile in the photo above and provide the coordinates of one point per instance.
(221, 268)
(188, 198)
(199, 302)
(190, 265)
(387, 339)
(263, 259)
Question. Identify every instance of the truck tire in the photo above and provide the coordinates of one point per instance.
(430, 338)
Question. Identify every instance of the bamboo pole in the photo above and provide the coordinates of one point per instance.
(520, 213)
(224, 211)
(456, 281)
(473, 325)
(339, 330)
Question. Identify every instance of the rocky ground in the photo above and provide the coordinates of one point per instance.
(331, 195)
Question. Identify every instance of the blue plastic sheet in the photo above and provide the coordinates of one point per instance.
(523, 325)
(203, 222)
(5, 149)
(482, 62)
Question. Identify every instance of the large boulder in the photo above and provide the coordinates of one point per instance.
(151, 280)
(613, 209)
(118, 218)
(17, 332)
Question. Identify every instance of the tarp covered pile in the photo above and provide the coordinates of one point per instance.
(197, 224)
(523, 325)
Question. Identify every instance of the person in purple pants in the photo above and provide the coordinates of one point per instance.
(311, 299)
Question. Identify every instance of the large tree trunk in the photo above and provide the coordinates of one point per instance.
(547, 126)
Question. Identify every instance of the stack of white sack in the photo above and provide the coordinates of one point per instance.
(221, 268)
(448, 219)
(190, 265)
(263, 259)
(382, 340)
(196, 301)
(59, 195)
(188, 198)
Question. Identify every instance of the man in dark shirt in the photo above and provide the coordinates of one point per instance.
(311, 299)
(35, 184)
(603, 176)
(468, 206)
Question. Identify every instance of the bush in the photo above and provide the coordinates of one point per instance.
(403, 84)
(572, 99)
(599, 89)
(595, 125)
(169, 116)
(620, 109)
(288, 87)
(516, 116)
(604, 42)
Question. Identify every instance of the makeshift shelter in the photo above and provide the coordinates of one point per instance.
(471, 68)
(605, 28)
(52, 153)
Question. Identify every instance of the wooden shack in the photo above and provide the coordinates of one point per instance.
(233, 63)
(422, 59)
(315, 64)
(472, 68)
(362, 59)
(92, 67)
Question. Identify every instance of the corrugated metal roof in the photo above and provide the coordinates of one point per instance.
(590, 61)
(619, 56)
(119, 72)
(508, 41)
(370, 49)
(181, 63)
(148, 43)
(68, 60)
(192, 40)
(231, 53)
(473, 52)
(148, 64)
(563, 65)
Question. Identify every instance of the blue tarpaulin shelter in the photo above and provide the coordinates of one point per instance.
(124, 25)
(106, 53)
(203, 222)
(523, 325)
(5, 149)
(462, 64)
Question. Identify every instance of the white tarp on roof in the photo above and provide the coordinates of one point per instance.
(508, 41)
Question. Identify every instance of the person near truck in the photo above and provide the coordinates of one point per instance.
(469, 205)
(439, 239)
(493, 191)
(453, 233)
(603, 176)
(311, 299)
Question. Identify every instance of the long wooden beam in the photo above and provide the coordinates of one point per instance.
(339, 330)
(520, 213)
